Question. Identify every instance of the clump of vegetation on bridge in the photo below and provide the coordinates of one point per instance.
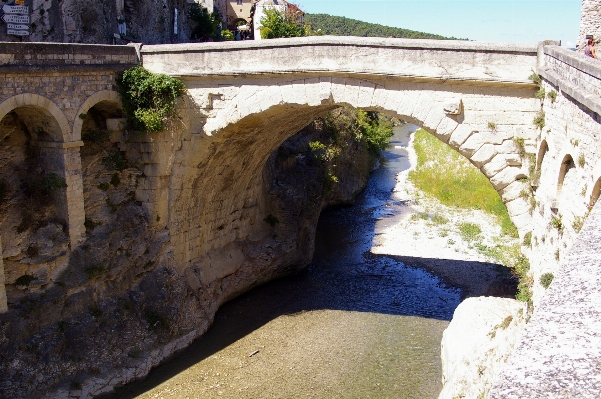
(149, 99)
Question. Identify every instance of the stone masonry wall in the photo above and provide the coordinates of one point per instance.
(572, 129)
(558, 355)
(46, 87)
(590, 22)
(97, 21)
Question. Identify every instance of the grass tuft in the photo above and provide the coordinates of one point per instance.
(546, 279)
(469, 231)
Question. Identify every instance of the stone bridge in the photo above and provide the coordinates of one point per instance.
(203, 186)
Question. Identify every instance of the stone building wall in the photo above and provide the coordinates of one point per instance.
(590, 22)
(97, 21)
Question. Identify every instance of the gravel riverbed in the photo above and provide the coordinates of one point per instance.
(365, 320)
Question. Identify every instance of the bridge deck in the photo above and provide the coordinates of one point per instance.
(410, 58)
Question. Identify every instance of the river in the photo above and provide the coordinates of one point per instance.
(353, 325)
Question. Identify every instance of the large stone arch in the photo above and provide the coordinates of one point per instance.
(60, 130)
(96, 98)
(484, 134)
(214, 210)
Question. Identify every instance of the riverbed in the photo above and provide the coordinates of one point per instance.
(365, 320)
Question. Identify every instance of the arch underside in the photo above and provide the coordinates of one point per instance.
(246, 124)
(44, 120)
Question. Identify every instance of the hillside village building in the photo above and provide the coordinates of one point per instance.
(237, 11)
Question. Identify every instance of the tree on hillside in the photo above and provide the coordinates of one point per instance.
(342, 26)
(276, 23)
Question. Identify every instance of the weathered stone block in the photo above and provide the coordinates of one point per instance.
(453, 107)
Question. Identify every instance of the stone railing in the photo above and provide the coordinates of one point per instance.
(559, 354)
(574, 74)
(449, 60)
(46, 57)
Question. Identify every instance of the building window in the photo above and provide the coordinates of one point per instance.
(239, 2)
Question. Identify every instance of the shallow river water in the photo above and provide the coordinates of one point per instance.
(353, 325)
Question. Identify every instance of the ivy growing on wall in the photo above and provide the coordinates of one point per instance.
(149, 98)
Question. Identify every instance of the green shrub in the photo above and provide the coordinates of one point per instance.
(266, 33)
(521, 267)
(114, 160)
(95, 311)
(581, 160)
(534, 77)
(275, 24)
(228, 35)
(41, 189)
(96, 136)
(438, 219)
(540, 94)
(271, 220)
(539, 119)
(375, 130)
(578, 223)
(90, 224)
(156, 320)
(556, 223)
(112, 207)
(103, 186)
(546, 279)
(115, 181)
(94, 271)
(149, 99)
(521, 143)
(206, 23)
(552, 95)
(527, 239)
(469, 231)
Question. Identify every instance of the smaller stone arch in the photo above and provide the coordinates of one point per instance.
(566, 165)
(543, 149)
(96, 98)
(61, 133)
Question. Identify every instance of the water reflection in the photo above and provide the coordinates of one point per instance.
(353, 325)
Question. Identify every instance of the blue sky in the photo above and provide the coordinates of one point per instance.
(525, 21)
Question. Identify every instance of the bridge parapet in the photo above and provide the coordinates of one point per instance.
(574, 74)
(61, 57)
(410, 58)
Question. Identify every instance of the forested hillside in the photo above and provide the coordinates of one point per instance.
(341, 26)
